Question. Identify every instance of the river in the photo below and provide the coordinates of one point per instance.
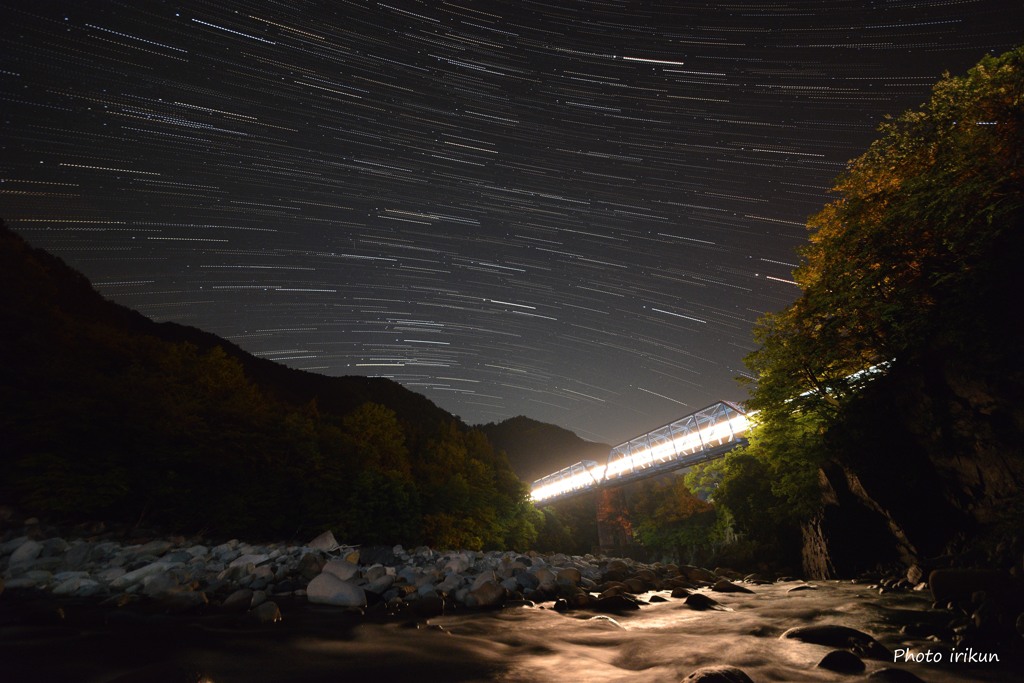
(661, 642)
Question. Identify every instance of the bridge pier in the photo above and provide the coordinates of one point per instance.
(614, 528)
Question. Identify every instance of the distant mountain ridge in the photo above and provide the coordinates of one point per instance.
(535, 449)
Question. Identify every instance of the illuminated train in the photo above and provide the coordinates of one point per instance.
(702, 435)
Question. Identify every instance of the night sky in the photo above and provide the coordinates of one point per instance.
(572, 211)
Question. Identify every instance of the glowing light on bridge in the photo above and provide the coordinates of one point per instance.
(582, 475)
(701, 435)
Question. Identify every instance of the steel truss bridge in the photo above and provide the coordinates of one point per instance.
(703, 435)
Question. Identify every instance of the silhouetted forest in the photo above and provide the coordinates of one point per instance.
(106, 414)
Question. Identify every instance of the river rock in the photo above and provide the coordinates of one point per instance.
(343, 569)
(247, 559)
(311, 565)
(718, 674)
(325, 542)
(802, 587)
(155, 548)
(546, 580)
(487, 594)
(328, 589)
(835, 635)
(691, 573)
(266, 613)
(614, 604)
(25, 553)
(699, 601)
(526, 580)
(727, 586)
(842, 661)
(569, 576)
(137, 575)
(239, 601)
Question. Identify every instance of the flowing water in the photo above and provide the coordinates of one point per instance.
(663, 641)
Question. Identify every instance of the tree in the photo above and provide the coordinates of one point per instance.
(922, 219)
(670, 520)
(906, 274)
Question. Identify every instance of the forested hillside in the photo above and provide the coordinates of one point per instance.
(106, 414)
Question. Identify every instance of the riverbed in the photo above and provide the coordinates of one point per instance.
(51, 640)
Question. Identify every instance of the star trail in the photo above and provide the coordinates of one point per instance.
(573, 211)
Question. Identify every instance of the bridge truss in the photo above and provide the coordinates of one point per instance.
(702, 435)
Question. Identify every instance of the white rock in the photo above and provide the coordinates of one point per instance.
(77, 586)
(111, 573)
(483, 578)
(141, 573)
(12, 545)
(243, 560)
(198, 551)
(570, 576)
(450, 583)
(343, 569)
(381, 584)
(374, 572)
(328, 589)
(488, 594)
(457, 564)
(324, 541)
(26, 552)
(546, 578)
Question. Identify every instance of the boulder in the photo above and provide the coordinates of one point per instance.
(155, 548)
(137, 575)
(266, 613)
(310, 565)
(325, 542)
(699, 601)
(614, 604)
(691, 573)
(244, 560)
(328, 589)
(239, 601)
(718, 674)
(727, 586)
(569, 576)
(343, 569)
(842, 661)
(25, 553)
(487, 594)
(835, 635)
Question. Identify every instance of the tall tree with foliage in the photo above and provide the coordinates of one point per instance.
(909, 269)
(922, 218)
